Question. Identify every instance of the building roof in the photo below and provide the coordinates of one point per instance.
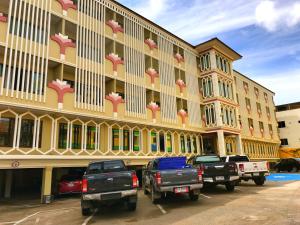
(254, 81)
(218, 44)
(288, 106)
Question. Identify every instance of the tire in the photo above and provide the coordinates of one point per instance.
(229, 187)
(146, 192)
(86, 211)
(131, 206)
(154, 199)
(259, 181)
(294, 170)
(193, 197)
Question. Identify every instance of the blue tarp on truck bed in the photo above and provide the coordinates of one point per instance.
(169, 163)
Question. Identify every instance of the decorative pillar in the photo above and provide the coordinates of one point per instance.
(154, 108)
(8, 183)
(215, 82)
(239, 146)
(46, 185)
(221, 143)
(64, 42)
(218, 114)
(213, 62)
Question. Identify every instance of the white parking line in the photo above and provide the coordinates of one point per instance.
(89, 218)
(37, 220)
(161, 209)
(25, 218)
(36, 213)
(206, 196)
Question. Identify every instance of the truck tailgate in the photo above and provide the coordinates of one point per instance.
(109, 182)
(219, 169)
(179, 176)
(250, 167)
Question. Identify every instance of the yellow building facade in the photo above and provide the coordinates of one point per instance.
(87, 80)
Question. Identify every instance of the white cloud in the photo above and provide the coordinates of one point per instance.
(266, 15)
(152, 8)
(274, 16)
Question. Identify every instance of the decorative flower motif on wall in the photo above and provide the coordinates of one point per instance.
(115, 99)
(64, 42)
(248, 108)
(153, 74)
(116, 60)
(179, 57)
(115, 26)
(3, 18)
(259, 112)
(154, 108)
(181, 85)
(266, 97)
(256, 93)
(271, 134)
(152, 45)
(246, 87)
(183, 114)
(262, 132)
(67, 4)
(251, 129)
(268, 115)
(61, 88)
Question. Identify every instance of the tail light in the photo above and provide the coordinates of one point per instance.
(135, 180)
(158, 178)
(268, 165)
(200, 172)
(241, 167)
(84, 187)
(202, 168)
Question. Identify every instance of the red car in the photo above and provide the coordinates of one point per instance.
(70, 184)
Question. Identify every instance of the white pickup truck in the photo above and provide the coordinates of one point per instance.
(247, 170)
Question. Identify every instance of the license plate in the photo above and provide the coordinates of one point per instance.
(181, 190)
(219, 178)
(255, 174)
(110, 196)
(71, 185)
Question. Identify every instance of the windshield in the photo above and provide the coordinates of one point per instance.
(209, 158)
(105, 167)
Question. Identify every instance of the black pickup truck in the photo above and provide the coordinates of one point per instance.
(106, 182)
(215, 171)
(171, 174)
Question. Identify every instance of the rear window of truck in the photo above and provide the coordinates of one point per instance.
(209, 158)
(238, 159)
(106, 167)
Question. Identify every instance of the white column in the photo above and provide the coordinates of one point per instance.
(215, 82)
(8, 183)
(213, 61)
(239, 146)
(221, 143)
(218, 114)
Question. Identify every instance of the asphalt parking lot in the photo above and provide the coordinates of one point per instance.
(274, 203)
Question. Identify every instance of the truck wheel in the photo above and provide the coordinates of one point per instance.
(86, 211)
(145, 190)
(229, 187)
(154, 198)
(131, 206)
(294, 170)
(259, 181)
(193, 196)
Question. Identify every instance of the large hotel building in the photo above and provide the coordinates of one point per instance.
(84, 80)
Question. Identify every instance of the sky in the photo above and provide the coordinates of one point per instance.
(265, 32)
